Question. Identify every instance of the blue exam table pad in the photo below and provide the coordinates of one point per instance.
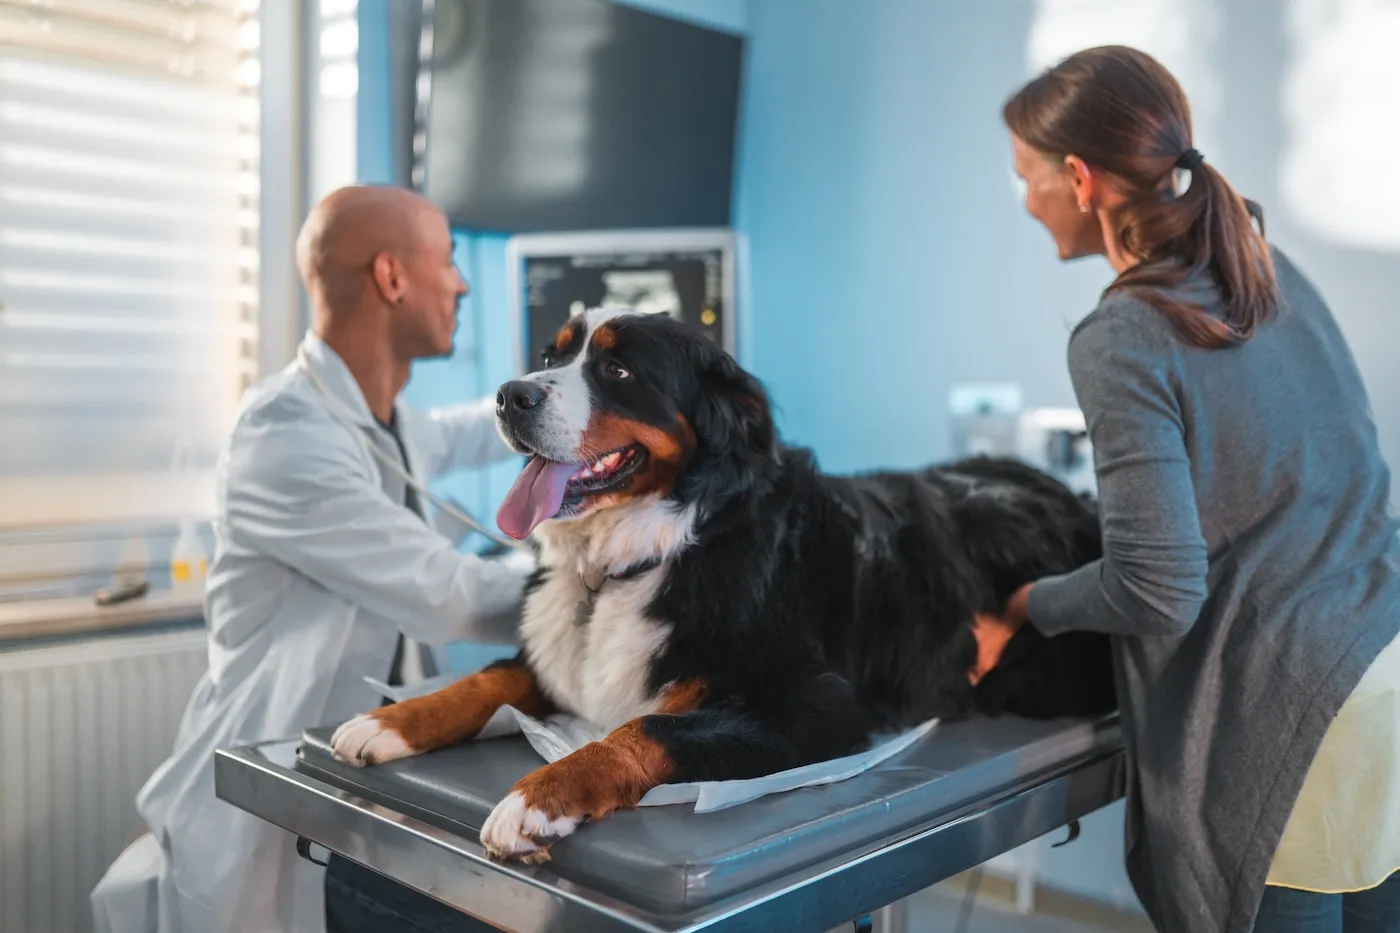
(670, 859)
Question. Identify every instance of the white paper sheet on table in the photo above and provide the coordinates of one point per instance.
(561, 734)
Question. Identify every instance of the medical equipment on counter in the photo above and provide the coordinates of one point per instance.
(121, 593)
(984, 418)
(1057, 441)
(989, 420)
(396, 467)
(189, 565)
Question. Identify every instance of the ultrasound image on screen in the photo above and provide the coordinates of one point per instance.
(686, 285)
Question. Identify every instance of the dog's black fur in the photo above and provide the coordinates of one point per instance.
(817, 609)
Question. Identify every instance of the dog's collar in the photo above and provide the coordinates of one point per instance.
(629, 572)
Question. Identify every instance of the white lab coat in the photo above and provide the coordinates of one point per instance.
(317, 567)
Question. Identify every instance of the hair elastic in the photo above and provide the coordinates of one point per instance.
(1190, 160)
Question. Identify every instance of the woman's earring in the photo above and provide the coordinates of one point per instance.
(1083, 208)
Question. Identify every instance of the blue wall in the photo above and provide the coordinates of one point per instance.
(890, 254)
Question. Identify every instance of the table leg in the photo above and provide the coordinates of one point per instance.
(892, 918)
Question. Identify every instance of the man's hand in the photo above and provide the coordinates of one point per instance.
(993, 633)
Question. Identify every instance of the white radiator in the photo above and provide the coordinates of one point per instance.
(82, 726)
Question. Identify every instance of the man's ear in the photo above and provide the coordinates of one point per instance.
(734, 416)
(388, 275)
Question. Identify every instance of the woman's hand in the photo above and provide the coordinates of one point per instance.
(993, 633)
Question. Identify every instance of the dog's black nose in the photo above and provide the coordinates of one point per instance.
(519, 394)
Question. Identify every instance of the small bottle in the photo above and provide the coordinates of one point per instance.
(188, 564)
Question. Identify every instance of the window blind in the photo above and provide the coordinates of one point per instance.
(128, 275)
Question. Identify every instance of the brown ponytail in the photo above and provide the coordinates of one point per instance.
(1119, 110)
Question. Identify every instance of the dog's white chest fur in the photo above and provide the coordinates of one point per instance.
(595, 662)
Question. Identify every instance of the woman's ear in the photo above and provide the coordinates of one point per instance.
(1082, 180)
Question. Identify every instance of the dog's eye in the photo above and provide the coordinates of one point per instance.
(547, 357)
(615, 370)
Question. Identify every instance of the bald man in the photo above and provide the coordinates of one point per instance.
(326, 569)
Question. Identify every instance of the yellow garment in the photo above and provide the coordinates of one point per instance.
(1344, 832)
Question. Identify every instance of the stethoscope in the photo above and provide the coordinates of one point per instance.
(342, 414)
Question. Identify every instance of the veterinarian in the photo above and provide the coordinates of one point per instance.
(1250, 561)
(325, 570)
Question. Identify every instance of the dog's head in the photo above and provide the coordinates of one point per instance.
(628, 406)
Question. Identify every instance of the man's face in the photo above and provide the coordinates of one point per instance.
(427, 320)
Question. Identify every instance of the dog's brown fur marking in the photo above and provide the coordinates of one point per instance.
(605, 338)
(682, 696)
(564, 337)
(668, 452)
(457, 712)
(612, 774)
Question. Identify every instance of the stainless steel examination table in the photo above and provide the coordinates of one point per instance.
(807, 860)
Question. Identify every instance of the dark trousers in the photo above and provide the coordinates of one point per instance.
(362, 901)
(1376, 910)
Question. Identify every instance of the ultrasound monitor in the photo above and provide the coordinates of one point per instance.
(688, 274)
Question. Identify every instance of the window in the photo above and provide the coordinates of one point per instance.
(1339, 100)
(129, 152)
(1181, 34)
(333, 59)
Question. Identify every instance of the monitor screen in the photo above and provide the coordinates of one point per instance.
(688, 284)
(548, 115)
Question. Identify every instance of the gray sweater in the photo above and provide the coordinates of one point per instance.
(1251, 572)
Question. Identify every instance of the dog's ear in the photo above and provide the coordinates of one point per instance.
(733, 417)
(736, 440)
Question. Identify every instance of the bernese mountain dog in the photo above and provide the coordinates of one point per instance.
(720, 605)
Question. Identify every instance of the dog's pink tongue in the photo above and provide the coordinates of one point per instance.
(537, 495)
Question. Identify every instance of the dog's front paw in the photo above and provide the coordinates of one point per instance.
(369, 740)
(518, 829)
(546, 805)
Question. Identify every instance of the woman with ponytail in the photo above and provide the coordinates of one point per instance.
(1250, 570)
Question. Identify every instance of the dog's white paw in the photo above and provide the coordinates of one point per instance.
(516, 830)
(366, 740)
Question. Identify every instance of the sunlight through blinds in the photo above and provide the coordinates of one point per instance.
(128, 253)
